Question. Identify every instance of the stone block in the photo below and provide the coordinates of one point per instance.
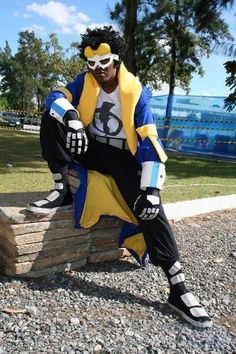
(59, 268)
(105, 256)
(37, 245)
(35, 263)
(48, 235)
(101, 236)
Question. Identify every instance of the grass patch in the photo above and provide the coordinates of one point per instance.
(194, 178)
(22, 169)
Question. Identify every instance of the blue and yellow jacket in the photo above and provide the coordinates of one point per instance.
(143, 143)
(137, 118)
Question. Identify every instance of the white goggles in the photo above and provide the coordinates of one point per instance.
(101, 60)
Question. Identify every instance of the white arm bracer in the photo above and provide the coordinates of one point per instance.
(153, 175)
(59, 108)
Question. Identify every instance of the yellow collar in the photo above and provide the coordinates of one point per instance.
(129, 89)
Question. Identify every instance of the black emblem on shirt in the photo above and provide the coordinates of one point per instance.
(105, 116)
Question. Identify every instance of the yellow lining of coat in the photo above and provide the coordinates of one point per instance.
(129, 90)
(146, 130)
(150, 131)
(136, 243)
(66, 92)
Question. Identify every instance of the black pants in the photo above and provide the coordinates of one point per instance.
(125, 170)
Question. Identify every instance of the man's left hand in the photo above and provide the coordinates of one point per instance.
(147, 204)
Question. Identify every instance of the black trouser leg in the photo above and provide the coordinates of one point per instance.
(125, 170)
(53, 143)
(158, 235)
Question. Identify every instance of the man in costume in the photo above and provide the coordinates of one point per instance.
(103, 120)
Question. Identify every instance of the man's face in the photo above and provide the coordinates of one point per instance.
(104, 75)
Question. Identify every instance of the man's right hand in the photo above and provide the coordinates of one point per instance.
(76, 138)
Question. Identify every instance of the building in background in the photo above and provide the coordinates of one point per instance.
(199, 124)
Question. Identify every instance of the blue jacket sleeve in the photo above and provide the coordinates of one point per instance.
(54, 95)
(72, 91)
(146, 127)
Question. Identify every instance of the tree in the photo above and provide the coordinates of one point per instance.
(126, 14)
(229, 50)
(41, 64)
(230, 101)
(8, 73)
(73, 64)
(29, 58)
(3, 103)
(32, 72)
(171, 38)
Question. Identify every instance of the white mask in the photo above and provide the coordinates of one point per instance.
(101, 60)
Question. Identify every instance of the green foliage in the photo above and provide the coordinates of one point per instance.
(35, 69)
(172, 36)
(230, 101)
(3, 103)
(72, 64)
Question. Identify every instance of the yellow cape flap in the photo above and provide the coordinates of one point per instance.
(161, 153)
(147, 130)
(103, 198)
(151, 131)
(137, 244)
(88, 99)
(129, 89)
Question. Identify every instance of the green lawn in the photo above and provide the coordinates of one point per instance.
(23, 170)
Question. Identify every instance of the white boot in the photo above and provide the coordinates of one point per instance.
(182, 301)
(60, 197)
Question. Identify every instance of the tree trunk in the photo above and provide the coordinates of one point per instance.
(169, 106)
(129, 34)
(170, 99)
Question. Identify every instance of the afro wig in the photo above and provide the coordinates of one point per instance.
(94, 37)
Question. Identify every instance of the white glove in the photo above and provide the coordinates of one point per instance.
(76, 138)
(147, 204)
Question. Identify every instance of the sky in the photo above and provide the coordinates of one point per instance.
(68, 19)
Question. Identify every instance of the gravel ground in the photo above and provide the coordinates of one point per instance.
(117, 307)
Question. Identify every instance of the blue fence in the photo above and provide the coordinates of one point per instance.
(198, 124)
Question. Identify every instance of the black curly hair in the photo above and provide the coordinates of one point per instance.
(94, 37)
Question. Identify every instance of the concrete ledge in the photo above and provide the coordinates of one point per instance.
(189, 208)
(36, 245)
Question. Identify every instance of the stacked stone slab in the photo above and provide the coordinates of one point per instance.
(35, 245)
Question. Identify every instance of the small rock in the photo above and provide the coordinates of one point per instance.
(233, 253)
(2, 351)
(129, 333)
(219, 260)
(75, 321)
(31, 310)
(97, 348)
(205, 303)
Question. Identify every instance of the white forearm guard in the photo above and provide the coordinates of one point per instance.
(65, 113)
(59, 108)
(153, 175)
